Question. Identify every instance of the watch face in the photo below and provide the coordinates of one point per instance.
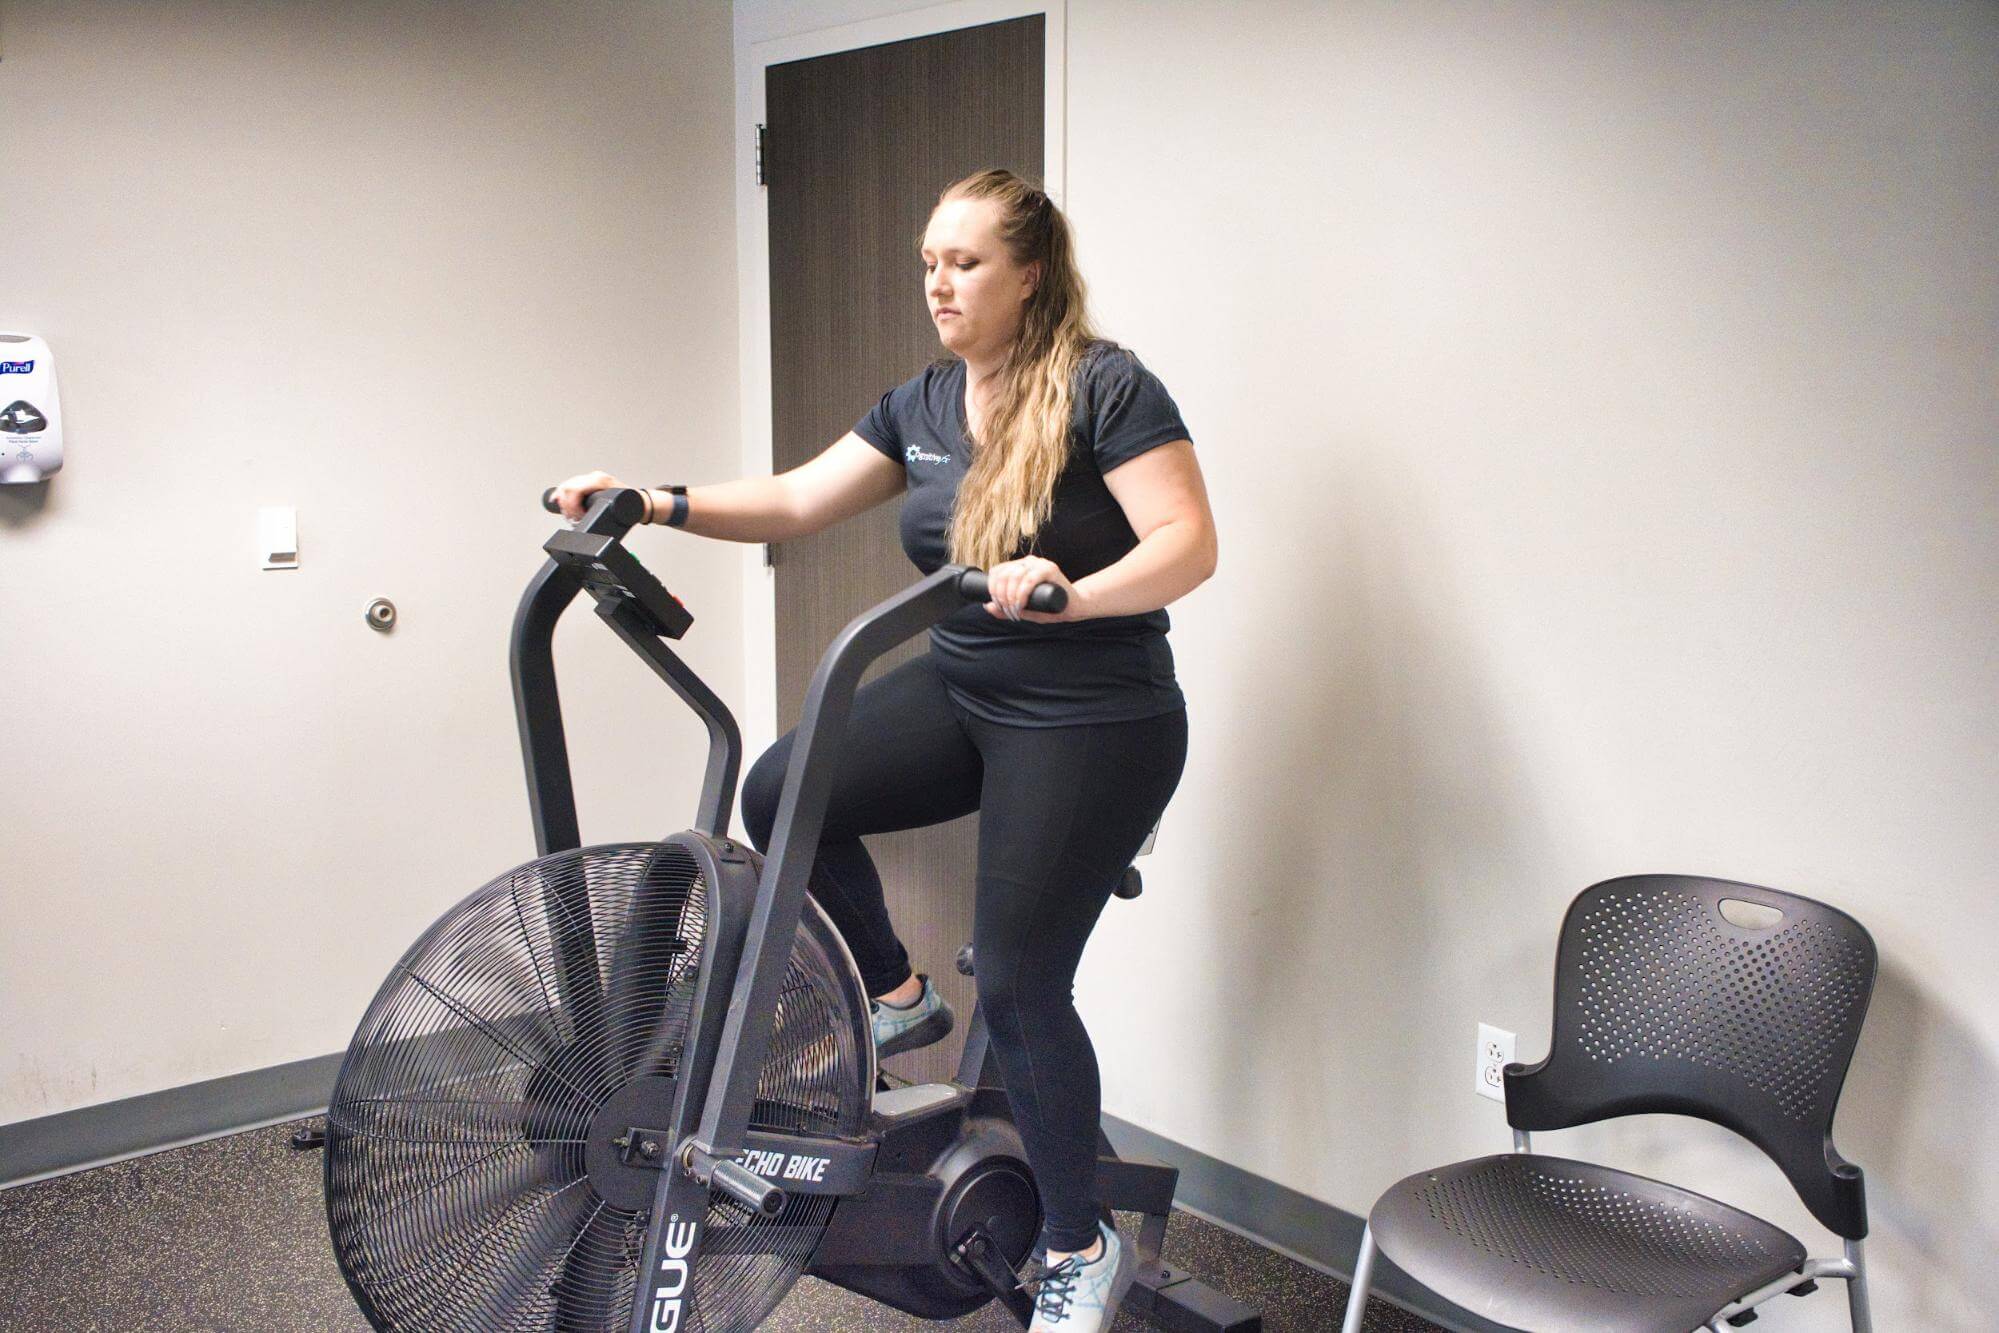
(19, 418)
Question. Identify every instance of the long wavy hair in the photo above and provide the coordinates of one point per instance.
(1023, 444)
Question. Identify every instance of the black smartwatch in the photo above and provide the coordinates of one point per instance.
(678, 515)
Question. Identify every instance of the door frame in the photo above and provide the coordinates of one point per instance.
(758, 715)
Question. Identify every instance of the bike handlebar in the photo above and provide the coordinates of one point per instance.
(1048, 598)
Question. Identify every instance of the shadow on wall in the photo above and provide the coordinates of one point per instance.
(1918, 1115)
(1367, 740)
(20, 504)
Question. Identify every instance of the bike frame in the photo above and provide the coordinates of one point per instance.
(743, 975)
(705, 1153)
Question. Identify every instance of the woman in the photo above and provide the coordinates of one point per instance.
(1046, 455)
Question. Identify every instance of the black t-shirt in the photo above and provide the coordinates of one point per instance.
(1110, 669)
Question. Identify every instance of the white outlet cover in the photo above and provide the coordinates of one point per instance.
(1495, 1052)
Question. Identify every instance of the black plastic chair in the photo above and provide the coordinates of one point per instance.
(1677, 994)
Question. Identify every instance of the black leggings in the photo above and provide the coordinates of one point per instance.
(1062, 811)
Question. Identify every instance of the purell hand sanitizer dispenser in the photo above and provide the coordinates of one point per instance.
(30, 412)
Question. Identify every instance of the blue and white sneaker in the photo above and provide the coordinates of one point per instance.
(1079, 1297)
(926, 1020)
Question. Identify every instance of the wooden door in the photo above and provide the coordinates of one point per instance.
(856, 147)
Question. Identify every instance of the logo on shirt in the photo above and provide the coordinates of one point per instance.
(17, 367)
(912, 454)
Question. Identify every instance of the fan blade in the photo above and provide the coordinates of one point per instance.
(650, 960)
(437, 1213)
(562, 885)
(759, 1238)
(597, 1276)
(503, 1282)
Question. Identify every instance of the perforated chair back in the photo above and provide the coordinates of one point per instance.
(1665, 1004)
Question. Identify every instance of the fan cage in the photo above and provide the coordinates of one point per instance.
(456, 1185)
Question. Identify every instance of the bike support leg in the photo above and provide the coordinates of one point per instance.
(1169, 1298)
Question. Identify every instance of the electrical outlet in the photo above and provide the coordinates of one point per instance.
(1495, 1052)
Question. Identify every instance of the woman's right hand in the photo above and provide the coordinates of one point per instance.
(573, 496)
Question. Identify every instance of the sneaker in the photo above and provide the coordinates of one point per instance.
(929, 1019)
(1079, 1297)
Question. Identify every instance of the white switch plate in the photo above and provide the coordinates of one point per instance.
(1495, 1052)
(277, 537)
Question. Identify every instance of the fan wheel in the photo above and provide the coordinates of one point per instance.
(465, 1187)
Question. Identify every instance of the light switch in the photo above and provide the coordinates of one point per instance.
(277, 537)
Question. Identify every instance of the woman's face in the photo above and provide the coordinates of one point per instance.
(975, 289)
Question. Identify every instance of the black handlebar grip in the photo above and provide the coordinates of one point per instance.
(1048, 598)
(627, 505)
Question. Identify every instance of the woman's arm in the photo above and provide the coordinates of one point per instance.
(849, 476)
(1166, 502)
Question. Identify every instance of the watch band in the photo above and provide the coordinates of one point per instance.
(678, 516)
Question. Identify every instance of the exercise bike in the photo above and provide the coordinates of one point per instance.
(632, 1087)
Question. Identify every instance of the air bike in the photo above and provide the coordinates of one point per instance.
(631, 1087)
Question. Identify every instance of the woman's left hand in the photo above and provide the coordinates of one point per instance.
(1009, 583)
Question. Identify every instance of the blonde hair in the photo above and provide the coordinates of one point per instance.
(1024, 444)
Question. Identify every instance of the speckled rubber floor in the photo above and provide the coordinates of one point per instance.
(230, 1235)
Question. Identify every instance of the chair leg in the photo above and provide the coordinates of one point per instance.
(1363, 1278)
(1856, 1290)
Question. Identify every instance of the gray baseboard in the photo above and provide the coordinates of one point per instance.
(54, 1145)
(1308, 1230)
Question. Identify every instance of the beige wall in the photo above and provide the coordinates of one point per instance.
(399, 265)
(1599, 403)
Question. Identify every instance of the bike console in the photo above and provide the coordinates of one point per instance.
(614, 576)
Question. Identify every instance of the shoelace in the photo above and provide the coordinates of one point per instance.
(1058, 1288)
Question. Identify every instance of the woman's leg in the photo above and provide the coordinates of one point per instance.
(1064, 810)
(906, 762)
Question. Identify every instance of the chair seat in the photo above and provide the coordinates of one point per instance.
(1551, 1245)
